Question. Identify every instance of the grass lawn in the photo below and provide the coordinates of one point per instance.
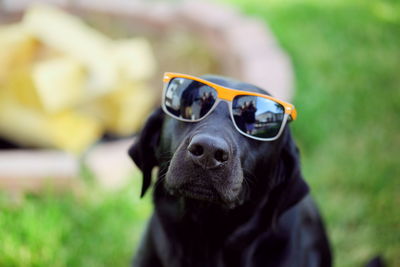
(95, 229)
(346, 56)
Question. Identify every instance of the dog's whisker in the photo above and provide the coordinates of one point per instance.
(248, 177)
(159, 181)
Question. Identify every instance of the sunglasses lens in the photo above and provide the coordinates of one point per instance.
(257, 116)
(189, 99)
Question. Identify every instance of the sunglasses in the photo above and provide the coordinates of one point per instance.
(257, 116)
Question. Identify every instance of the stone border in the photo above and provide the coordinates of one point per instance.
(245, 48)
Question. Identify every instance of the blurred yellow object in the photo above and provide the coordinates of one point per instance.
(59, 83)
(19, 87)
(64, 84)
(134, 59)
(116, 109)
(67, 130)
(72, 37)
(17, 49)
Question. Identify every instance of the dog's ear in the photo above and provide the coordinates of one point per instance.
(143, 151)
(291, 188)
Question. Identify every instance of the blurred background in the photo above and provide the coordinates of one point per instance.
(77, 79)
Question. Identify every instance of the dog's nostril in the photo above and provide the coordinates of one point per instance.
(196, 150)
(221, 155)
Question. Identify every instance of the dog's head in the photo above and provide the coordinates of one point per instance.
(210, 161)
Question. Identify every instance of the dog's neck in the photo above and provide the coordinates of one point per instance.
(203, 232)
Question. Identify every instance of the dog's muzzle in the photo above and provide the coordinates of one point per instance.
(205, 168)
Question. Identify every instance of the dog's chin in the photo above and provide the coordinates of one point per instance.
(199, 193)
(206, 195)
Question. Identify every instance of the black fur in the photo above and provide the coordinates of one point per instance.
(252, 210)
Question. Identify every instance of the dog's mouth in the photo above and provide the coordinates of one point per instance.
(198, 192)
(207, 193)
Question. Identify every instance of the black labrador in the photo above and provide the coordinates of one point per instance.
(252, 211)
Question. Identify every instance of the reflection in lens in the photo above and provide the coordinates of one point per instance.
(189, 99)
(257, 116)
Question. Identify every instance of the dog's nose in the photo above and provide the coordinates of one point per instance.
(208, 151)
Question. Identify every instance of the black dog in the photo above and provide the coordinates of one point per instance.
(223, 199)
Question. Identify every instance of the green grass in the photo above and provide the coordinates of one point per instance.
(95, 229)
(346, 56)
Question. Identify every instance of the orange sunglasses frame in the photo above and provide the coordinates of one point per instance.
(229, 94)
